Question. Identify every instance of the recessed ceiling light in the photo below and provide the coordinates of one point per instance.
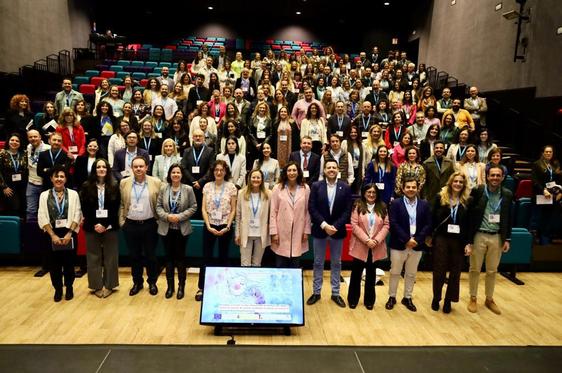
(210, 8)
(298, 13)
(386, 3)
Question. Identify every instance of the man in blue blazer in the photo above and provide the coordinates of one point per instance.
(123, 157)
(410, 224)
(329, 206)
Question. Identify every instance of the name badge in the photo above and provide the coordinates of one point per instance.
(306, 173)
(101, 213)
(355, 163)
(199, 102)
(126, 173)
(339, 175)
(380, 186)
(412, 229)
(150, 157)
(315, 137)
(396, 143)
(364, 134)
(340, 133)
(254, 223)
(60, 223)
(283, 138)
(16, 177)
(390, 151)
(73, 149)
(195, 169)
(266, 185)
(216, 215)
(261, 135)
(551, 184)
(159, 134)
(494, 218)
(136, 208)
(453, 228)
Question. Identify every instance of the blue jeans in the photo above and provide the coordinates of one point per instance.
(319, 245)
(32, 194)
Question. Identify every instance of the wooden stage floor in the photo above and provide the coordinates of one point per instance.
(532, 315)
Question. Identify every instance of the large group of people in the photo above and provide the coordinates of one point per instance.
(268, 152)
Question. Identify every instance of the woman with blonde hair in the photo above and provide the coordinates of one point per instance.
(471, 167)
(167, 158)
(252, 216)
(373, 141)
(450, 238)
(73, 137)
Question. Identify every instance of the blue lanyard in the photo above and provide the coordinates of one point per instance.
(101, 198)
(454, 211)
(397, 136)
(16, 163)
(371, 216)
(158, 125)
(56, 156)
(174, 201)
(197, 158)
(460, 152)
(60, 206)
(549, 170)
(438, 165)
(340, 122)
(130, 157)
(411, 209)
(497, 207)
(382, 172)
(138, 195)
(366, 126)
(147, 146)
(255, 207)
(292, 197)
(197, 91)
(217, 201)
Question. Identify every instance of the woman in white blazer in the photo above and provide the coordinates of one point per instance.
(59, 216)
(252, 220)
(163, 162)
(236, 162)
(370, 225)
(175, 206)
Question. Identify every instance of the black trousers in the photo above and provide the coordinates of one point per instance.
(448, 255)
(142, 240)
(174, 245)
(209, 240)
(16, 204)
(285, 262)
(61, 263)
(354, 290)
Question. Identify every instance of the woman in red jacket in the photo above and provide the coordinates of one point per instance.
(73, 137)
(369, 224)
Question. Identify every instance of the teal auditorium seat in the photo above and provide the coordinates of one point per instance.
(10, 233)
(91, 73)
(81, 80)
(523, 212)
(151, 64)
(510, 183)
(520, 252)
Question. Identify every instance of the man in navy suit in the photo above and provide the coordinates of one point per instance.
(340, 122)
(123, 157)
(329, 206)
(308, 161)
(410, 224)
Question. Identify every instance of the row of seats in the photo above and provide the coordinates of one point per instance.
(520, 253)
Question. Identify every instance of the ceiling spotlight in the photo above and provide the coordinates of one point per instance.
(298, 13)
(210, 8)
(386, 3)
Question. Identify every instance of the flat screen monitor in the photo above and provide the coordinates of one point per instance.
(247, 296)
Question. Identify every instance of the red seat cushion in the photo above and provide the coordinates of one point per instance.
(107, 74)
(96, 80)
(87, 89)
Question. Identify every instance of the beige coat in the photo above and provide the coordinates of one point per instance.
(243, 215)
(126, 187)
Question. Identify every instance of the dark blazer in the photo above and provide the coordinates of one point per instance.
(291, 98)
(193, 97)
(333, 124)
(252, 133)
(44, 165)
(478, 206)
(81, 172)
(358, 122)
(435, 180)
(319, 209)
(205, 162)
(400, 224)
(120, 158)
(92, 127)
(389, 180)
(17, 123)
(89, 203)
(442, 218)
(252, 92)
(313, 165)
(375, 100)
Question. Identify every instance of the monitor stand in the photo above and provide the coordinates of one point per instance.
(251, 330)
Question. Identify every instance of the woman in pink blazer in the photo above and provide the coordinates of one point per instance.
(289, 221)
(217, 109)
(369, 223)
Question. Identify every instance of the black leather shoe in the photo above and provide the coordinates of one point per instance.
(199, 295)
(135, 289)
(181, 292)
(58, 295)
(40, 273)
(435, 305)
(152, 289)
(370, 306)
(338, 300)
(313, 299)
(69, 293)
(409, 304)
(447, 306)
(352, 306)
(390, 304)
(169, 291)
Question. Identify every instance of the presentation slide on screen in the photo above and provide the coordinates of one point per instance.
(252, 296)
